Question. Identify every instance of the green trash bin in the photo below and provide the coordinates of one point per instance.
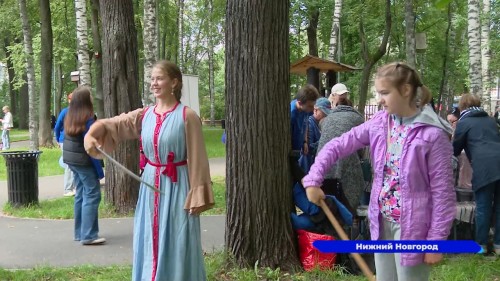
(22, 177)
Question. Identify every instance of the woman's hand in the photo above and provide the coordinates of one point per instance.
(90, 143)
(315, 194)
(196, 210)
(432, 258)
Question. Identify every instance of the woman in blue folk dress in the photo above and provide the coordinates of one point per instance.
(167, 244)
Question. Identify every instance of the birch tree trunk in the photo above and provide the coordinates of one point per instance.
(30, 69)
(333, 51)
(485, 55)
(82, 42)
(211, 73)
(258, 182)
(410, 33)
(150, 48)
(96, 35)
(180, 21)
(45, 134)
(474, 36)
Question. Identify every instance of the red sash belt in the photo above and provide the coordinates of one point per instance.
(171, 166)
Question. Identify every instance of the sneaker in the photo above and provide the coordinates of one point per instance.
(98, 241)
(69, 193)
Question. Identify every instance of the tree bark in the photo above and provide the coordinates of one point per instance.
(13, 94)
(211, 71)
(333, 52)
(485, 56)
(150, 48)
(24, 104)
(120, 89)
(180, 33)
(445, 72)
(30, 70)
(258, 182)
(410, 34)
(82, 42)
(312, 30)
(45, 134)
(371, 59)
(96, 35)
(58, 90)
(474, 37)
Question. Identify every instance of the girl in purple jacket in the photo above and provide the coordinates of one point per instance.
(412, 196)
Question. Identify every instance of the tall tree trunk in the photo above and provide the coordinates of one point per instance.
(410, 33)
(58, 90)
(258, 181)
(333, 52)
(211, 73)
(82, 42)
(445, 70)
(312, 30)
(485, 55)
(150, 48)
(474, 36)
(180, 39)
(30, 70)
(13, 94)
(120, 88)
(96, 35)
(371, 59)
(45, 134)
(24, 104)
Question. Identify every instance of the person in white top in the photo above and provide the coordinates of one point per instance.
(7, 124)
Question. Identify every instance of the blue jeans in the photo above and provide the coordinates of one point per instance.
(487, 200)
(300, 198)
(87, 199)
(5, 139)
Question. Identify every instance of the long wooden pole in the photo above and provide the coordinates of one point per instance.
(357, 257)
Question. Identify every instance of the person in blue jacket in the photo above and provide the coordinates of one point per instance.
(87, 170)
(69, 189)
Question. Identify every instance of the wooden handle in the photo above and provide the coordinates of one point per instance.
(357, 257)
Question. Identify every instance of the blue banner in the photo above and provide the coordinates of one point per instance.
(398, 246)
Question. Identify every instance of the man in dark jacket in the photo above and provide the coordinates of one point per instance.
(478, 135)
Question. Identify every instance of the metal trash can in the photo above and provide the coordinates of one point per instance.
(223, 123)
(22, 177)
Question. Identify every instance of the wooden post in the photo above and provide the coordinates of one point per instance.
(313, 77)
(331, 79)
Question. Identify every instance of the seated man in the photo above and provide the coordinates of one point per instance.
(313, 218)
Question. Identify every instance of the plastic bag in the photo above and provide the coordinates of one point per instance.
(311, 257)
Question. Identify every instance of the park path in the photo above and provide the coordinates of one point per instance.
(27, 243)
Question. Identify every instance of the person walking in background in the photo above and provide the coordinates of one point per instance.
(69, 188)
(167, 242)
(411, 153)
(478, 135)
(7, 124)
(87, 170)
(321, 109)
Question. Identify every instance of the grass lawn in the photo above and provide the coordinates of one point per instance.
(19, 135)
(472, 268)
(48, 163)
(62, 208)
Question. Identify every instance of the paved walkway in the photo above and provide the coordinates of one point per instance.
(26, 243)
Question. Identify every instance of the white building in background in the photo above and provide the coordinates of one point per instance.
(190, 92)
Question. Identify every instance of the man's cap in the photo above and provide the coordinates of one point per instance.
(339, 89)
(324, 105)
